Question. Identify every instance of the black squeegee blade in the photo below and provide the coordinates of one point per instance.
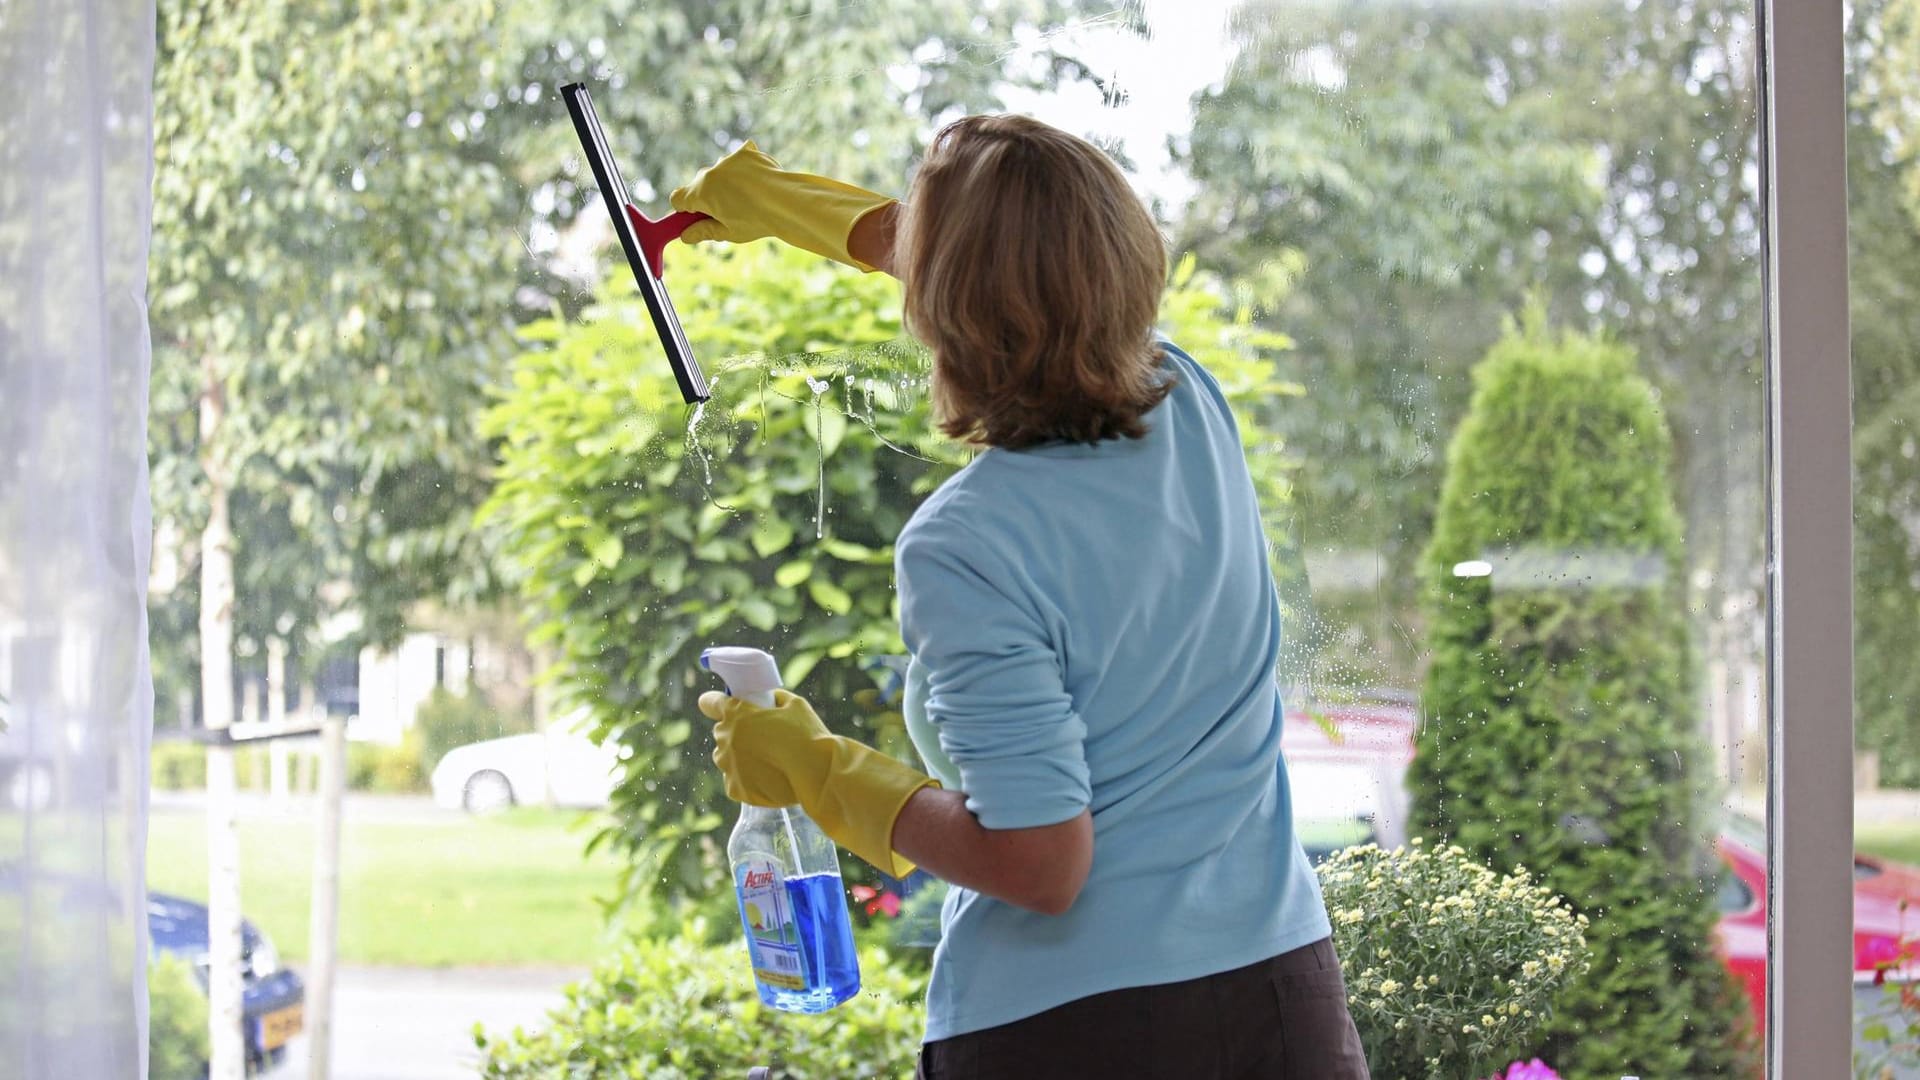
(666, 321)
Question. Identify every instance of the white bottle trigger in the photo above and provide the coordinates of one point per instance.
(750, 674)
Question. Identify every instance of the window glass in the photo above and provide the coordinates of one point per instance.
(1480, 281)
(1883, 205)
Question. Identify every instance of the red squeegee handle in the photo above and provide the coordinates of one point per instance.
(654, 236)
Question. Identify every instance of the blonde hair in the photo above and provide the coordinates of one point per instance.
(1034, 274)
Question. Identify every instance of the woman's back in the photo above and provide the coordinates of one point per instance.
(1094, 627)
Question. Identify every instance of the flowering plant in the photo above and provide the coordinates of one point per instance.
(1451, 968)
(878, 901)
(1889, 1040)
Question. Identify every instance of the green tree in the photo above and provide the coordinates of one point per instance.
(1560, 698)
(364, 195)
(644, 532)
(325, 298)
(1436, 163)
(1884, 274)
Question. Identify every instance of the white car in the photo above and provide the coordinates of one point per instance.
(487, 776)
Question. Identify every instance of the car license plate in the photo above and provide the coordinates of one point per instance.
(278, 1026)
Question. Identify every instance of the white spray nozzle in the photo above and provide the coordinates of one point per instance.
(750, 674)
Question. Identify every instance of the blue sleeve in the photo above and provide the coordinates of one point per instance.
(995, 693)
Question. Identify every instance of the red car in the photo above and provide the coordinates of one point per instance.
(1348, 763)
(1881, 929)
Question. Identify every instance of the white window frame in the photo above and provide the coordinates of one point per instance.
(1810, 541)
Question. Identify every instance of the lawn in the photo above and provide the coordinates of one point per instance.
(506, 890)
(1899, 841)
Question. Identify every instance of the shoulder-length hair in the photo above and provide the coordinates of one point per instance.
(1034, 274)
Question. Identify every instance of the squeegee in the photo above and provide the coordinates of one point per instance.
(643, 239)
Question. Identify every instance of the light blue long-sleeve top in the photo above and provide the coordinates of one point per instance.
(1095, 626)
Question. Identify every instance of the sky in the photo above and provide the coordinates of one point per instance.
(1185, 50)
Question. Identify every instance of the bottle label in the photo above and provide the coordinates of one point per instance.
(773, 937)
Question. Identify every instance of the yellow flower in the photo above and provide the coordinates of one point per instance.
(1388, 987)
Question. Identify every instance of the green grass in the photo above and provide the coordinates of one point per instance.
(1899, 841)
(507, 890)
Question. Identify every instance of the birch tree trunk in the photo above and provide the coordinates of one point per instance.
(224, 985)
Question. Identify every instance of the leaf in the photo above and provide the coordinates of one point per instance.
(771, 534)
(793, 573)
(797, 668)
(675, 732)
(829, 596)
(669, 573)
(758, 613)
(607, 551)
(850, 552)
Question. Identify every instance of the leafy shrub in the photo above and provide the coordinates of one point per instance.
(641, 531)
(178, 1043)
(182, 766)
(389, 769)
(1451, 968)
(1888, 1045)
(1562, 733)
(178, 766)
(446, 720)
(672, 1008)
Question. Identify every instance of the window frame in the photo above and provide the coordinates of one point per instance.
(1810, 539)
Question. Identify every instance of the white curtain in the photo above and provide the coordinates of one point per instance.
(76, 106)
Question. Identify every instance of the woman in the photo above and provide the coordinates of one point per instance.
(1093, 631)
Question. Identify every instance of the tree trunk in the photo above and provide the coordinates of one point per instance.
(224, 986)
(324, 922)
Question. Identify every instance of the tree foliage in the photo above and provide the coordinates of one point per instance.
(1560, 732)
(643, 533)
(357, 200)
(329, 251)
(1884, 272)
(1435, 164)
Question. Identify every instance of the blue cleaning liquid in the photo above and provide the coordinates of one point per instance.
(819, 945)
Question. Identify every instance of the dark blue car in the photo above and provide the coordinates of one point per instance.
(274, 996)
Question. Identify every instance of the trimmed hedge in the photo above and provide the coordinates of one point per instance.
(1561, 731)
(182, 766)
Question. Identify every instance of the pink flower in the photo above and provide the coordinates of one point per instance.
(1529, 1070)
(876, 901)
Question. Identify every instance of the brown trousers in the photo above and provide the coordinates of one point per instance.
(1284, 1018)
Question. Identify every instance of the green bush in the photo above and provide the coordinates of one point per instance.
(178, 766)
(1451, 968)
(446, 720)
(182, 766)
(1561, 731)
(178, 1043)
(672, 1008)
(642, 531)
(395, 770)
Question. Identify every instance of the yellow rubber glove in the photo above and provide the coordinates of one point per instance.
(749, 196)
(784, 755)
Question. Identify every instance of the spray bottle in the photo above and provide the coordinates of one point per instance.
(786, 875)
